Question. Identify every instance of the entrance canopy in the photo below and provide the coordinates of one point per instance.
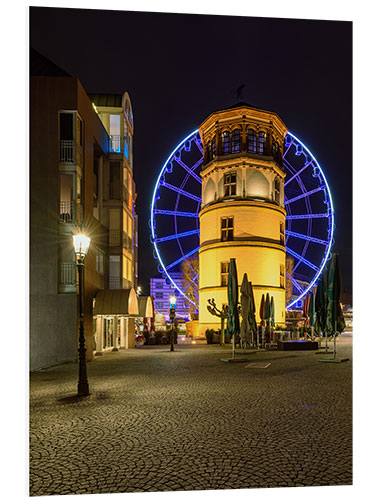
(119, 302)
(145, 307)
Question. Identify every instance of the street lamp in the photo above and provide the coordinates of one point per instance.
(81, 246)
(172, 315)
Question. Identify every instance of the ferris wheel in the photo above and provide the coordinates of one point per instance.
(176, 203)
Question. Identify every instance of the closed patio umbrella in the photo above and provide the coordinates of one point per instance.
(262, 314)
(311, 313)
(252, 320)
(233, 317)
(335, 322)
(267, 316)
(245, 310)
(272, 317)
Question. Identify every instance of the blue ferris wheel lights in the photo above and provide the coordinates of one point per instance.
(163, 269)
(330, 227)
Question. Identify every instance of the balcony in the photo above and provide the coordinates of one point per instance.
(116, 191)
(115, 283)
(68, 279)
(71, 212)
(115, 143)
(118, 238)
(70, 152)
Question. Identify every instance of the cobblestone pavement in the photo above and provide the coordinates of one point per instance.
(158, 420)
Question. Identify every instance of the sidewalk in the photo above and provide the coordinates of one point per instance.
(158, 421)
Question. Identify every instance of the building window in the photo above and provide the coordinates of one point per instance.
(159, 285)
(227, 229)
(277, 190)
(282, 276)
(251, 141)
(158, 295)
(213, 147)
(262, 143)
(159, 305)
(225, 142)
(224, 271)
(100, 255)
(236, 141)
(282, 233)
(230, 184)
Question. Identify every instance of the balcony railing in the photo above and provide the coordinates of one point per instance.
(114, 238)
(116, 191)
(68, 273)
(116, 283)
(70, 212)
(70, 152)
(115, 143)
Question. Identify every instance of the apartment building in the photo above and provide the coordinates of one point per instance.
(81, 178)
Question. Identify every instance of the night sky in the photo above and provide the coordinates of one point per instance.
(180, 68)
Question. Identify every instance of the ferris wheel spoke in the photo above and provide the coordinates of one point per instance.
(191, 282)
(295, 283)
(175, 236)
(302, 259)
(189, 254)
(177, 213)
(306, 216)
(188, 169)
(308, 193)
(297, 173)
(180, 191)
(306, 237)
(198, 144)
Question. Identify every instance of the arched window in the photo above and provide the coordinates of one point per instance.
(209, 151)
(262, 143)
(225, 142)
(251, 141)
(213, 147)
(236, 141)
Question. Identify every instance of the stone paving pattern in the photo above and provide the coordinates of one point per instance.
(159, 421)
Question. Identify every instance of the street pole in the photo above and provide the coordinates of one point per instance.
(83, 386)
(172, 338)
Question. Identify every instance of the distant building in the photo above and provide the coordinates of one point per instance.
(81, 178)
(161, 290)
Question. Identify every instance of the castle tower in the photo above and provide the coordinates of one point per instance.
(242, 213)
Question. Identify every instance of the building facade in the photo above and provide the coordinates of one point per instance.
(161, 290)
(242, 213)
(80, 180)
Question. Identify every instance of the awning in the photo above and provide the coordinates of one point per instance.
(145, 307)
(121, 302)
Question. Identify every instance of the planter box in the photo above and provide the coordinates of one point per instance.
(297, 345)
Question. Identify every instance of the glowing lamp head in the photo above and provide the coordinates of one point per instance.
(81, 244)
(172, 300)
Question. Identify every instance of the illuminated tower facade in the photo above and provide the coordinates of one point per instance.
(242, 214)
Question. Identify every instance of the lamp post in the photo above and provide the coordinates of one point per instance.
(81, 245)
(172, 315)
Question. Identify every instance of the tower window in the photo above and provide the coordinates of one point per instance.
(282, 233)
(277, 190)
(224, 271)
(261, 143)
(213, 147)
(225, 142)
(282, 276)
(230, 184)
(251, 141)
(236, 141)
(227, 229)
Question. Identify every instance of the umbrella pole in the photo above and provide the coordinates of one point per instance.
(234, 340)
